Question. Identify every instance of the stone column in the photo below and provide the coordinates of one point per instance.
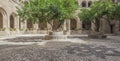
(79, 2)
(80, 26)
(79, 23)
(49, 26)
(24, 25)
(35, 27)
(68, 27)
(87, 3)
(6, 24)
(16, 24)
(93, 27)
(65, 25)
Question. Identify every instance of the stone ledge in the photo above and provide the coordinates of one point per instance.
(97, 36)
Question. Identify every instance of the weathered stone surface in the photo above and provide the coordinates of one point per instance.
(95, 50)
(48, 37)
(97, 36)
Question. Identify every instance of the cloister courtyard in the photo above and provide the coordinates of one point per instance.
(59, 30)
(33, 47)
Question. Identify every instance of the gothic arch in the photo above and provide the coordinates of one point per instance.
(3, 17)
(113, 0)
(84, 4)
(13, 17)
(1, 20)
(89, 3)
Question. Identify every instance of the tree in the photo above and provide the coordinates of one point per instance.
(101, 9)
(48, 10)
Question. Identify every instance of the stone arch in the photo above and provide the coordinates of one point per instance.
(73, 24)
(1, 20)
(89, 3)
(83, 4)
(13, 18)
(113, 0)
(12, 21)
(3, 17)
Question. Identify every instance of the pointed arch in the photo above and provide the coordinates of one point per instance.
(89, 3)
(3, 17)
(83, 4)
(12, 20)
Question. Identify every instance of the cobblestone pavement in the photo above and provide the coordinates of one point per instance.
(93, 50)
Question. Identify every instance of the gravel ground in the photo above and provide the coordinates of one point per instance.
(94, 50)
(25, 39)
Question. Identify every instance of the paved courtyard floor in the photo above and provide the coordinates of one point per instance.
(82, 49)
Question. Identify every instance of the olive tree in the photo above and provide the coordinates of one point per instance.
(48, 11)
(99, 9)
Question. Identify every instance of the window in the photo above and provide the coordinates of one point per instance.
(89, 3)
(84, 4)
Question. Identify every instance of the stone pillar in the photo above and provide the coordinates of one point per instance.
(24, 25)
(68, 27)
(79, 23)
(35, 26)
(16, 24)
(87, 3)
(93, 27)
(80, 26)
(49, 28)
(6, 24)
(65, 25)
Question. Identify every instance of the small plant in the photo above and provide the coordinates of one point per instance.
(11, 29)
(76, 29)
(31, 29)
(21, 29)
(3, 29)
(38, 29)
(14, 29)
(27, 29)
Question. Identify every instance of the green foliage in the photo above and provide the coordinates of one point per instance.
(99, 9)
(87, 15)
(47, 10)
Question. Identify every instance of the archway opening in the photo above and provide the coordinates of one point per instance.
(1, 20)
(73, 24)
(20, 23)
(29, 24)
(113, 0)
(42, 26)
(12, 21)
(83, 4)
(89, 3)
(86, 25)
